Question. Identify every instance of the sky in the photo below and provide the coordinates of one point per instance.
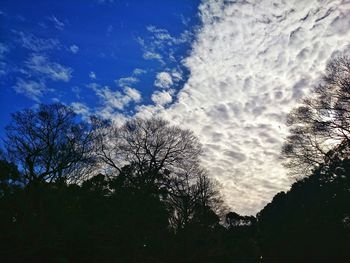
(229, 70)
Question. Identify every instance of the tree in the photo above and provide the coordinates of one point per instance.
(322, 122)
(9, 176)
(161, 158)
(48, 143)
(192, 196)
(151, 145)
(309, 222)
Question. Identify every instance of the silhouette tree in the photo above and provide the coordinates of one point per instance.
(309, 223)
(322, 122)
(190, 195)
(152, 145)
(48, 143)
(161, 158)
(9, 176)
(153, 202)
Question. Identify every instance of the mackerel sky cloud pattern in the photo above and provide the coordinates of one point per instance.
(230, 70)
(250, 64)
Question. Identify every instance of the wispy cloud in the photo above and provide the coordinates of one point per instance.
(36, 44)
(138, 71)
(115, 100)
(40, 65)
(150, 55)
(3, 66)
(74, 49)
(133, 94)
(122, 82)
(3, 49)
(56, 22)
(92, 75)
(31, 89)
(161, 45)
(82, 109)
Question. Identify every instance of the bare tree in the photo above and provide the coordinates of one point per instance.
(189, 192)
(48, 143)
(164, 156)
(322, 122)
(153, 145)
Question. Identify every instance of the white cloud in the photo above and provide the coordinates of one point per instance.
(42, 66)
(149, 55)
(138, 71)
(57, 23)
(76, 90)
(161, 98)
(92, 75)
(161, 37)
(162, 46)
(133, 94)
(163, 80)
(160, 34)
(3, 65)
(122, 82)
(250, 63)
(3, 68)
(3, 49)
(74, 49)
(81, 108)
(177, 76)
(36, 44)
(31, 89)
(115, 100)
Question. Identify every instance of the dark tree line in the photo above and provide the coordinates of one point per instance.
(96, 191)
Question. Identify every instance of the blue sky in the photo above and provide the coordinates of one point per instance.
(228, 70)
(55, 50)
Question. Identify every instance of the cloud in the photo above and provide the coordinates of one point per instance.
(57, 23)
(163, 80)
(138, 71)
(133, 94)
(249, 65)
(162, 46)
(160, 34)
(31, 89)
(76, 90)
(92, 75)
(3, 66)
(122, 82)
(161, 98)
(3, 49)
(149, 55)
(40, 65)
(161, 37)
(74, 49)
(115, 100)
(81, 109)
(36, 44)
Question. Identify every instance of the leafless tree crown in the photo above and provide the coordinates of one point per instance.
(322, 122)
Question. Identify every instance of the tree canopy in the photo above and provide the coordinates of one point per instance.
(322, 122)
